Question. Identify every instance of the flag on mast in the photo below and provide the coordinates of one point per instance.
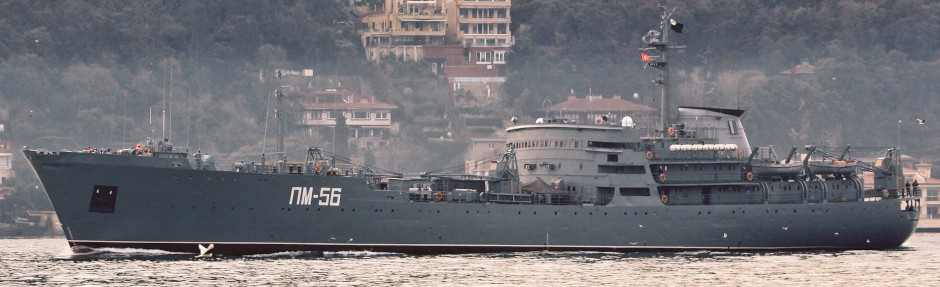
(675, 26)
(647, 57)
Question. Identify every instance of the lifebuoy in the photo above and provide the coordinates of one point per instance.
(439, 195)
(649, 155)
(664, 198)
(318, 167)
(662, 177)
(671, 131)
(885, 193)
(740, 154)
(750, 176)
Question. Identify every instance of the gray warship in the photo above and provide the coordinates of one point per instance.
(693, 182)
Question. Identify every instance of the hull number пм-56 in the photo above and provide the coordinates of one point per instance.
(329, 196)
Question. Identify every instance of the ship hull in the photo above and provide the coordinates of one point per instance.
(176, 209)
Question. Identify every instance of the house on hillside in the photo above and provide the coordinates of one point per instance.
(405, 28)
(402, 28)
(482, 154)
(369, 122)
(592, 109)
(466, 41)
(6, 161)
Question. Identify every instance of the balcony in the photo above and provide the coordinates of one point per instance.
(473, 20)
(485, 4)
(402, 32)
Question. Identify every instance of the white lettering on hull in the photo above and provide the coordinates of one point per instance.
(329, 196)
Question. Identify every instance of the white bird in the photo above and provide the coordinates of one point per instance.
(204, 251)
(785, 227)
(725, 235)
(836, 234)
(641, 225)
(867, 240)
(921, 122)
(350, 240)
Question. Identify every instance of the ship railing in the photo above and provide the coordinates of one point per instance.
(457, 195)
(679, 156)
(555, 199)
(882, 194)
(686, 177)
(754, 198)
(517, 198)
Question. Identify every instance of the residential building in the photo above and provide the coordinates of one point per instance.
(592, 109)
(482, 29)
(402, 29)
(482, 154)
(6, 161)
(482, 26)
(370, 123)
(467, 40)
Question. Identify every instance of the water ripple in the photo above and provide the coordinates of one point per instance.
(48, 261)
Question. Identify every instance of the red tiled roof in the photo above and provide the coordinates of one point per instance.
(597, 103)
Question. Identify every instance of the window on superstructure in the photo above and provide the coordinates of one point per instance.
(932, 195)
(633, 191)
(612, 157)
(732, 128)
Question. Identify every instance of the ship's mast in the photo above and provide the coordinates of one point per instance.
(277, 115)
(653, 42)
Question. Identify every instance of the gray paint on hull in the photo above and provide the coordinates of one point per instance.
(173, 206)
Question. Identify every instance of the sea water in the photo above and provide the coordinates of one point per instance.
(49, 261)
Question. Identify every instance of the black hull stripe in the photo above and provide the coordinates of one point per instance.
(246, 248)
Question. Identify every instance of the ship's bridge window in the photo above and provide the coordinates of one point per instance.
(599, 144)
(621, 169)
(732, 128)
(612, 157)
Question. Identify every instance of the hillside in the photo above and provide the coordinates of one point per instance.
(875, 63)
